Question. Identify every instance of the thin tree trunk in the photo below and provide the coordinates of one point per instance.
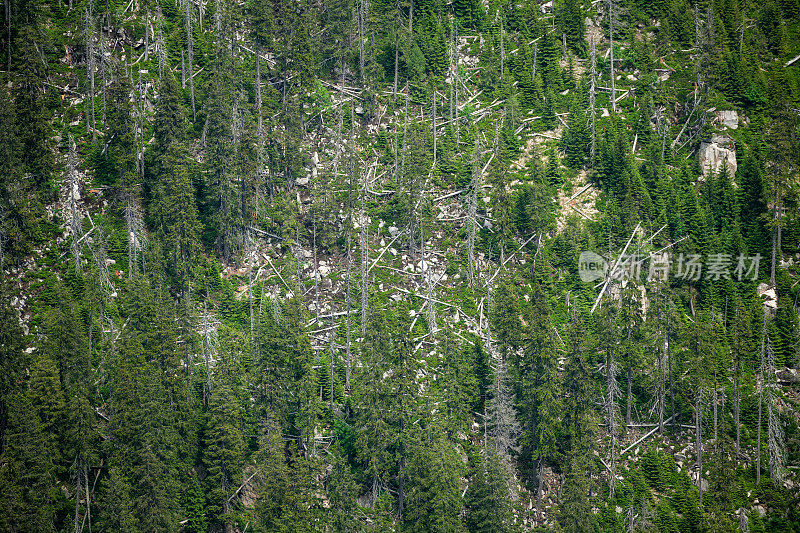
(361, 8)
(699, 441)
(592, 112)
(364, 221)
(672, 393)
(611, 40)
(396, 51)
(611, 389)
(472, 220)
(434, 127)
(316, 271)
(736, 406)
(760, 399)
(502, 50)
(716, 399)
(190, 53)
(629, 399)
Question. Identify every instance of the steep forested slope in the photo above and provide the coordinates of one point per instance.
(405, 265)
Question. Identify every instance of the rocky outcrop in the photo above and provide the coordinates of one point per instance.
(728, 118)
(717, 152)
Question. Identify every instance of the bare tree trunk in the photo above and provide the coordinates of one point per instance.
(411, 24)
(661, 387)
(147, 35)
(190, 53)
(258, 90)
(736, 386)
(775, 445)
(250, 253)
(103, 67)
(472, 219)
(611, 40)
(760, 400)
(7, 4)
(364, 222)
(502, 50)
(349, 268)
(539, 489)
(612, 391)
(396, 50)
(715, 399)
(90, 68)
(75, 217)
(628, 399)
(698, 447)
(592, 111)
(741, 32)
(434, 127)
(162, 52)
(672, 393)
(316, 271)
(362, 6)
(452, 71)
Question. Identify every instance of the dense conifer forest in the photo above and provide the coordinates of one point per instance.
(399, 265)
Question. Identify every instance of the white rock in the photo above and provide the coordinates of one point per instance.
(717, 152)
(302, 182)
(393, 231)
(770, 297)
(323, 270)
(729, 118)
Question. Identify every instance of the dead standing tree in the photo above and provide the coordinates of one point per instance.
(612, 411)
(76, 228)
(472, 216)
(90, 70)
(190, 55)
(775, 447)
(592, 90)
(611, 51)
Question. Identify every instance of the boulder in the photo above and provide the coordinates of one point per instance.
(729, 118)
(717, 152)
